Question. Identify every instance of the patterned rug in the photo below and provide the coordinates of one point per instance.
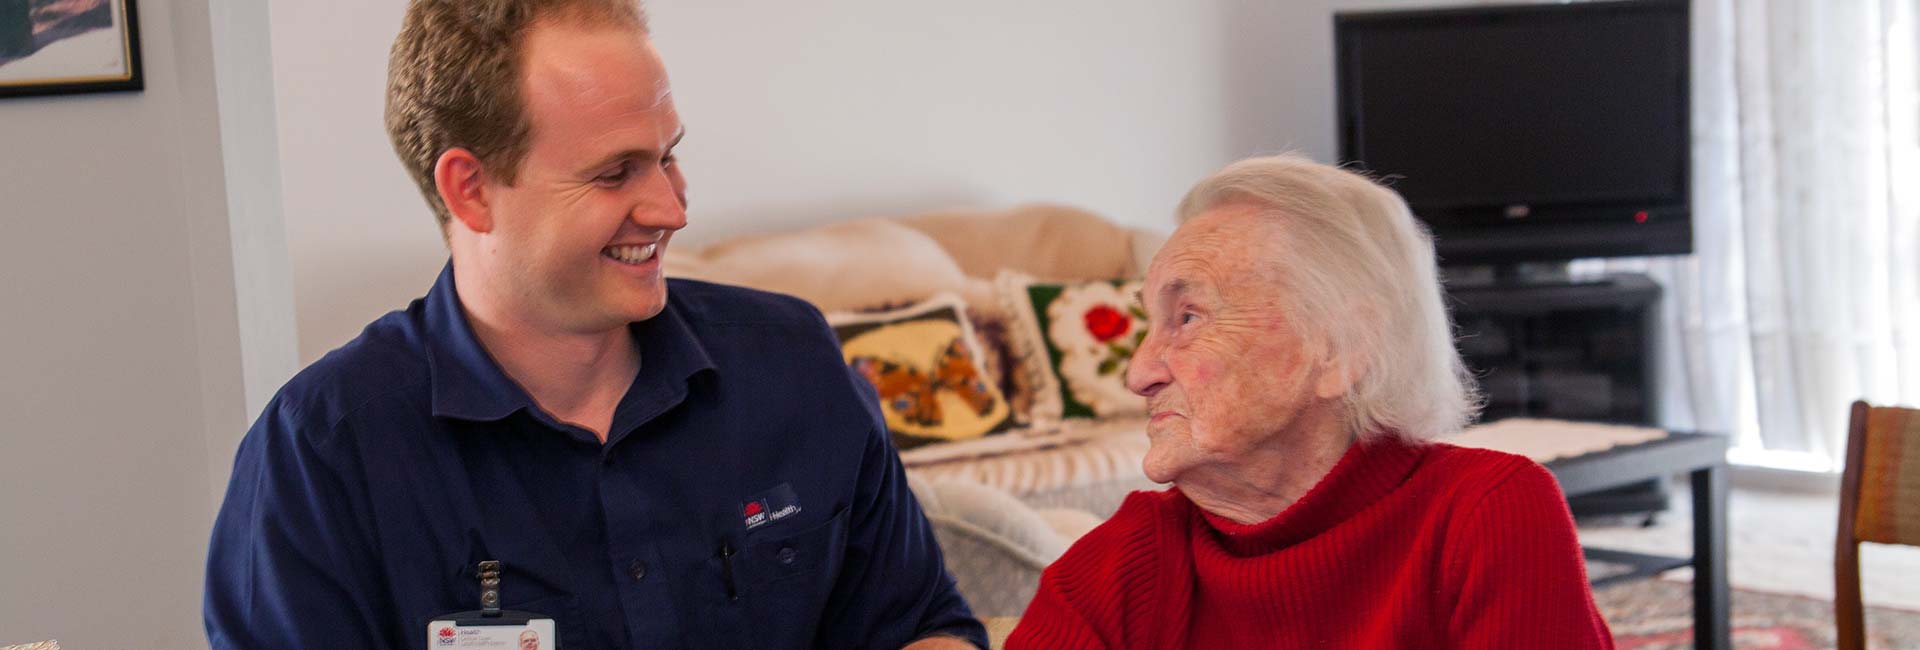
(1658, 615)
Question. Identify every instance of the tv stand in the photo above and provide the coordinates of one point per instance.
(1530, 274)
(1568, 348)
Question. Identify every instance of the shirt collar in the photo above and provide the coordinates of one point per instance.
(468, 384)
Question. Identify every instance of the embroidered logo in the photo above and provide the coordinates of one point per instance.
(755, 513)
(774, 505)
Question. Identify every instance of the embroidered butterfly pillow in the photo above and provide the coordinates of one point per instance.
(926, 366)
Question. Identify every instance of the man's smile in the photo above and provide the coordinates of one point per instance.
(631, 254)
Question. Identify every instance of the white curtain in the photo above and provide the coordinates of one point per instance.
(1803, 293)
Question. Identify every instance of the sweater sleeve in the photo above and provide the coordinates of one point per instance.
(1518, 572)
(1051, 621)
(1098, 595)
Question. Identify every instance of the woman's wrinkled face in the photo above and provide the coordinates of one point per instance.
(1224, 368)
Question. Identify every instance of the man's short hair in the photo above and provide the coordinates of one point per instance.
(453, 80)
(1360, 270)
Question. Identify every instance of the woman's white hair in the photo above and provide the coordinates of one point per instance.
(1362, 276)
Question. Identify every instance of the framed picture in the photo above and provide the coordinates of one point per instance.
(57, 47)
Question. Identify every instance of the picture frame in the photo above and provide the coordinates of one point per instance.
(64, 47)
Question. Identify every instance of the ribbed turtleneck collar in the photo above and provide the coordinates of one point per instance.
(1367, 472)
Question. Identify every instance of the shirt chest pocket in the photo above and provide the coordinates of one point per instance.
(784, 578)
(784, 564)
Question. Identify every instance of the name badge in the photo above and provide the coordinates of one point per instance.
(510, 631)
(491, 627)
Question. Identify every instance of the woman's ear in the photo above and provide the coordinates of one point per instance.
(1341, 368)
(461, 181)
(1338, 374)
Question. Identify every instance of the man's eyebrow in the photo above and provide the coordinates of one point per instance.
(638, 154)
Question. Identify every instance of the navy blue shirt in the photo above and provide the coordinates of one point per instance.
(746, 497)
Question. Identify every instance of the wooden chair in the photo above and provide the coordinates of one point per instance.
(1879, 502)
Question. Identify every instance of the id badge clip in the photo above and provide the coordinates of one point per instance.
(491, 628)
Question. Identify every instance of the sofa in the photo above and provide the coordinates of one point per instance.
(1003, 505)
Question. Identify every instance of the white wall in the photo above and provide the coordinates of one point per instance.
(806, 112)
(125, 370)
(359, 238)
(144, 282)
(802, 113)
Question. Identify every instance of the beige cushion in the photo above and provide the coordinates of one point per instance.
(995, 546)
(1071, 524)
(982, 296)
(1146, 244)
(1046, 241)
(842, 266)
(1024, 534)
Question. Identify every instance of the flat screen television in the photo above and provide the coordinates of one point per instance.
(1526, 133)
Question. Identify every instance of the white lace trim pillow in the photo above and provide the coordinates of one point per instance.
(1073, 342)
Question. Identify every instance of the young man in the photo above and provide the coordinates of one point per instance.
(653, 464)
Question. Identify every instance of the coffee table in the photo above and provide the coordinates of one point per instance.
(1703, 458)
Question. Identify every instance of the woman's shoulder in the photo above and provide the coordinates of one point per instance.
(1111, 570)
(1475, 459)
(1134, 534)
(1140, 515)
(1474, 473)
(1104, 589)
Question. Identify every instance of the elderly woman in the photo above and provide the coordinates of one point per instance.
(1299, 362)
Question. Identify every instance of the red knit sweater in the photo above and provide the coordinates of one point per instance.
(1399, 546)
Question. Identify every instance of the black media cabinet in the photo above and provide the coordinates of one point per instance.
(1567, 350)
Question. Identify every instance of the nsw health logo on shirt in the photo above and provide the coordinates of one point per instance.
(770, 506)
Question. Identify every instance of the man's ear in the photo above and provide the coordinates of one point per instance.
(462, 185)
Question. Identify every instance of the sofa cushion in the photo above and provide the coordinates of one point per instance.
(1046, 241)
(994, 546)
(842, 266)
(1073, 342)
(1069, 523)
(1078, 454)
(991, 330)
(926, 366)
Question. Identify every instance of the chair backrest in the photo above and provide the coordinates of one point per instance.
(1887, 486)
(1879, 502)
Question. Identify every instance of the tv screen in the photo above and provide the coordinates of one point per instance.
(1528, 132)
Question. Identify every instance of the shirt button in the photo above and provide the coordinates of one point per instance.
(638, 570)
(786, 555)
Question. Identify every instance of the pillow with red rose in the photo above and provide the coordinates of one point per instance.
(1073, 341)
